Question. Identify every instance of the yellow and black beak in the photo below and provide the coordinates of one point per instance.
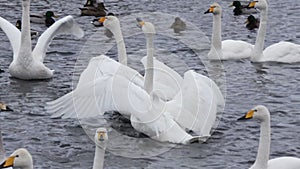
(102, 19)
(248, 115)
(9, 162)
(252, 4)
(101, 136)
(210, 10)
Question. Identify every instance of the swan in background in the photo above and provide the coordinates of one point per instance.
(46, 18)
(101, 141)
(4, 107)
(252, 22)
(285, 52)
(227, 49)
(262, 161)
(28, 64)
(242, 9)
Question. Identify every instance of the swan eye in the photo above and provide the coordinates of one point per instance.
(17, 156)
(255, 110)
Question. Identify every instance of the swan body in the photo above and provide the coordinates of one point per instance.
(262, 161)
(285, 52)
(28, 64)
(228, 49)
(101, 141)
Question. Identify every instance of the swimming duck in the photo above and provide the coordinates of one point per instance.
(46, 18)
(4, 107)
(178, 25)
(252, 22)
(242, 9)
(33, 34)
(93, 8)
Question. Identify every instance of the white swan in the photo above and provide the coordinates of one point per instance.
(285, 52)
(262, 159)
(28, 64)
(193, 108)
(101, 141)
(20, 158)
(227, 49)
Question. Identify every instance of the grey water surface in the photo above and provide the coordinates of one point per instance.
(62, 143)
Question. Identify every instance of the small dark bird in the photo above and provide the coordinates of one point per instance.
(33, 34)
(4, 107)
(242, 9)
(178, 25)
(252, 22)
(93, 8)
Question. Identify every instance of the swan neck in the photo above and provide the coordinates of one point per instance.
(99, 158)
(263, 153)
(149, 72)
(216, 39)
(2, 153)
(257, 53)
(25, 46)
(122, 55)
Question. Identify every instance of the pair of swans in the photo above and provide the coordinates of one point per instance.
(107, 85)
(28, 64)
(22, 159)
(285, 52)
(262, 161)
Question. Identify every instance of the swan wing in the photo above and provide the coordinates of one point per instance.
(196, 105)
(284, 162)
(285, 52)
(167, 82)
(64, 25)
(106, 93)
(13, 34)
(103, 65)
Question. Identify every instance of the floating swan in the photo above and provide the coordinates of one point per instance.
(92, 8)
(178, 25)
(252, 22)
(242, 9)
(192, 108)
(285, 52)
(227, 49)
(262, 159)
(43, 18)
(28, 64)
(4, 107)
(101, 141)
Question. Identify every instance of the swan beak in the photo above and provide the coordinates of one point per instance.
(210, 10)
(9, 162)
(102, 19)
(248, 115)
(251, 4)
(101, 136)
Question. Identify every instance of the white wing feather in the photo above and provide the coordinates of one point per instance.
(64, 25)
(13, 34)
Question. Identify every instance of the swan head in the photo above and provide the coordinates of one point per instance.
(147, 27)
(21, 158)
(259, 112)
(110, 22)
(260, 4)
(101, 138)
(215, 9)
